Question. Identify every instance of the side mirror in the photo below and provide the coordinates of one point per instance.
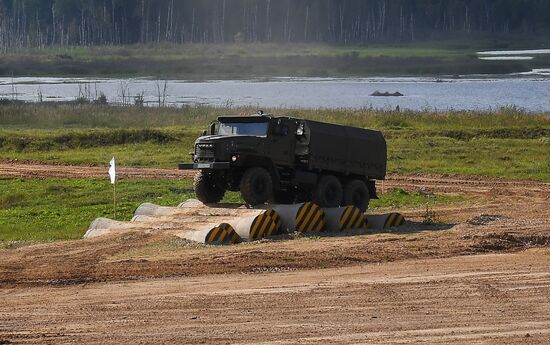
(204, 133)
(301, 130)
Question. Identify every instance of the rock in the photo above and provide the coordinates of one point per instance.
(387, 94)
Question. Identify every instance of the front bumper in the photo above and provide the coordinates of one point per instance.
(204, 166)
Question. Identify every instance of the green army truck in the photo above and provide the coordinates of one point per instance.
(288, 160)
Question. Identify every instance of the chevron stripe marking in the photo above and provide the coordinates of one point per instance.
(345, 217)
(213, 234)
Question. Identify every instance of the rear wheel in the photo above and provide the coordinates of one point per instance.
(256, 186)
(208, 188)
(328, 192)
(357, 194)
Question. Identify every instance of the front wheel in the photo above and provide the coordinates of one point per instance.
(207, 188)
(256, 186)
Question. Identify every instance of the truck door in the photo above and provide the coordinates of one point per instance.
(282, 141)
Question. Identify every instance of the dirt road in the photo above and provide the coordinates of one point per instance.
(433, 182)
(480, 276)
(40, 170)
(490, 299)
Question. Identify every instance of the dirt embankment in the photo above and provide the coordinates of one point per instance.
(509, 215)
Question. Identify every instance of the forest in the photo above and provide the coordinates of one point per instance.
(44, 23)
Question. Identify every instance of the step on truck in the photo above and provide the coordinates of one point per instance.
(288, 160)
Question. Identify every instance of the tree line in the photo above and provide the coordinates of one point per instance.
(42, 23)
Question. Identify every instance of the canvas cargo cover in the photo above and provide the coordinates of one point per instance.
(348, 150)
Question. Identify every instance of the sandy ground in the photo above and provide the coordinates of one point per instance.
(481, 276)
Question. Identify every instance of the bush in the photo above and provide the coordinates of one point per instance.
(87, 139)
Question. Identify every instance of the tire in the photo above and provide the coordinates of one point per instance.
(207, 188)
(328, 192)
(302, 196)
(256, 186)
(357, 194)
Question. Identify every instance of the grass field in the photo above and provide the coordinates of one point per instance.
(506, 143)
(60, 209)
(238, 61)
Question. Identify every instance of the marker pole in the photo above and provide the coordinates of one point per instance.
(114, 199)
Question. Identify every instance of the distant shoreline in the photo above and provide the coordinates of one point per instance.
(248, 61)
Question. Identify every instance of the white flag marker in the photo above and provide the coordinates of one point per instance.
(112, 174)
(112, 171)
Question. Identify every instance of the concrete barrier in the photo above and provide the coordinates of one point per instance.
(224, 225)
(106, 226)
(344, 218)
(302, 218)
(191, 203)
(263, 225)
(151, 210)
(213, 234)
(385, 221)
(188, 208)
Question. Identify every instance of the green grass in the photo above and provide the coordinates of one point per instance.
(256, 50)
(506, 143)
(44, 210)
(237, 61)
(505, 158)
(61, 209)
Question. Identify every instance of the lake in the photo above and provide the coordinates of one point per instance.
(530, 92)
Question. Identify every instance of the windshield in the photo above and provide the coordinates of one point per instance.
(258, 129)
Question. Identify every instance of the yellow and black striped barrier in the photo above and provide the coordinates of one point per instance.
(344, 218)
(263, 225)
(385, 221)
(222, 234)
(394, 219)
(302, 218)
(276, 218)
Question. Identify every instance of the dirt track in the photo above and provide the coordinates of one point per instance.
(482, 276)
(39, 171)
(435, 183)
(491, 299)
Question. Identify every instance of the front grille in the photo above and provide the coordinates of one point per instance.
(205, 152)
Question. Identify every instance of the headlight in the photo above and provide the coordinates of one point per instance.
(234, 158)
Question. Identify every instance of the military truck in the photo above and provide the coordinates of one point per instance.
(288, 160)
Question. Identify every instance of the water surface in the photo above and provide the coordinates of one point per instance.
(531, 93)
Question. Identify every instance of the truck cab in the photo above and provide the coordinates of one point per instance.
(232, 138)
